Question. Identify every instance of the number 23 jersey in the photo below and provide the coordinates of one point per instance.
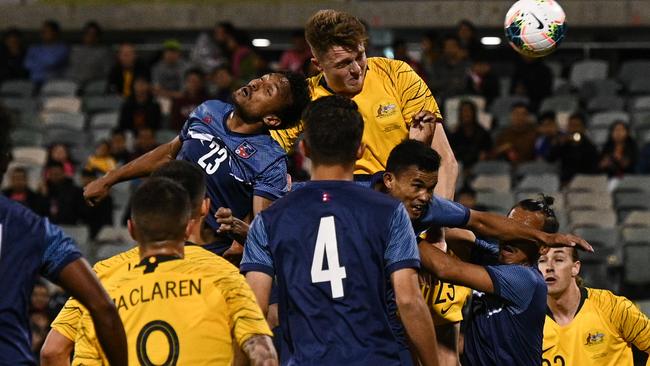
(237, 166)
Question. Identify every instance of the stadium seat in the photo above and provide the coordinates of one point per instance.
(106, 120)
(633, 183)
(588, 201)
(16, 88)
(640, 104)
(636, 259)
(493, 183)
(81, 236)
(121, 193)
(97, 104)
(631, 70)
(451, 109)
(602, 103)
(27, 137)
(637, 219)
(30, 155)
(598, 135)
(555, 66)
(164, 136)
(640, 85)
(539, 183)
(109, 250)
(560, 103)
(62, 104)
(108, 235)
(600, 237)
(65, 136)
(95, 88)
(605, 119)
(500, 202)
(59, 88)
(636, 234)
(82, 152)
(592, 218)
(593, 88)
(626, 202)
(491, 167)
(586, 70)
(644, 305)
(535, 168)
(70, 121)
(501, 106)
(99, 135)
(21, 105)
(588, 183)
(595, 274)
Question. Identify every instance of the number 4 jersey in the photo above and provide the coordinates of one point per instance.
(332, 246)
(237, 166)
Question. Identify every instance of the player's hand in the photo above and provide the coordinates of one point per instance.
(567, 240)
(96, 191)
(229, 224)
(423, 117)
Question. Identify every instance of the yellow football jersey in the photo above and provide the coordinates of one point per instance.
(392, 94)
(445, 300)
(67, 321)
(600, 334)
(181, 311)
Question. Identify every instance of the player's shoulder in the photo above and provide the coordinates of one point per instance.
(111, 263)
(214, 107)
(200, 260)
(17, 214)
(387, 65)
(605, 300)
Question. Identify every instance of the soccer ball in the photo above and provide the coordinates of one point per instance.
(535, 28)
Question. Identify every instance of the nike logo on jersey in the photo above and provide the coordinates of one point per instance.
(547, 349)
(444, 311)
(539, 22)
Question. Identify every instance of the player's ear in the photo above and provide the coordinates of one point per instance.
(272, 121)
(314, 61)
(575, 269)
(361, 150)
(205, 207)
(389, 180)
(304, 149)
(189, 227)
(130, 225)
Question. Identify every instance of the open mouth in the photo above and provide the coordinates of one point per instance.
(418, 208)
(550, 280)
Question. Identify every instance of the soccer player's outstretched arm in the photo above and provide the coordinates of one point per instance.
(56, 350)
(260, 351)
(140, 167)
(79, 280)
(415, 315)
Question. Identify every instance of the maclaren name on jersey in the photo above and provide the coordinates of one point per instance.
(159, 291)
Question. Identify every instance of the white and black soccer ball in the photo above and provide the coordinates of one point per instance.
(535, 28)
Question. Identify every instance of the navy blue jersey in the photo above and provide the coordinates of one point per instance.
(29, 246)
(506, 327)
(332, 246)
(237, 166)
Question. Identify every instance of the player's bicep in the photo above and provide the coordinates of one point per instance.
(60, 250)
(406, 284)
(260, 283)
(401, 250)
(272, 183)
(260, 203)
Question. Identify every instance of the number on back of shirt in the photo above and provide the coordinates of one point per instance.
(326, 247)
(222, 154)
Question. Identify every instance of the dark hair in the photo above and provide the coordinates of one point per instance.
(5, 141)
(223, 66)
(547, 115)
(466, 189)
(53, 164)
(118, 131)
(189, 176)
(580, 116)
(19, 169)
(333, 130)
(520, 105)
(629, 141)
(12, 32)
(228, 27)
(468, 24)
(90, 173)
(194, 71)
(92, 25)
(160, 209)
(300, 98)
(472, 105)
(412, 153)
(543, 203)
(451, 37)
(329, 28)
(53, 25)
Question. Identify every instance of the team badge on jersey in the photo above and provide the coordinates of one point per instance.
(386, 110)
(245, 150)
(594, 338)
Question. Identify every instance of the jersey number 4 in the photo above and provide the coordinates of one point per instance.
(326, 246)
(222, 154)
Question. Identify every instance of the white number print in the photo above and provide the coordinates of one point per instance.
(326, 243)
(211, 168)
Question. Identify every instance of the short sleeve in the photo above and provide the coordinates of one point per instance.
(60, 250)
(402, 249)
(484, 252)
(514, 283)
(257, 255)
(630, 322)
(67, 321)
(445, 213)
(245, 315)
(414, 93)
(272, 183)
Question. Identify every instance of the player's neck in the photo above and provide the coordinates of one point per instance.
(168, 247)
(237, 124)
(565, 305)
(332, 172)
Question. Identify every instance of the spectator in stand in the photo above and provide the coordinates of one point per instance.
(644, 160)
(60, 153)
(222, 83)
(167, 74)
(119, 150)
(12, 56)
(243, 61)
(125, 71)
(64, 197)
(548, 131)
(140, 109)
(466, 196)
(449, 73)
(533, 79)
(400, 52)
(575, 151)
(208, 51)
(619, 154)
(430, 46)
(482, 81)
(48, 59)
(145, 141)
(471, 142)
(294, 58)
(516, 143)
(19, 191)
(100, 214)
(102, 160)
(469, 40)
(193, 95)
(89, 60)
